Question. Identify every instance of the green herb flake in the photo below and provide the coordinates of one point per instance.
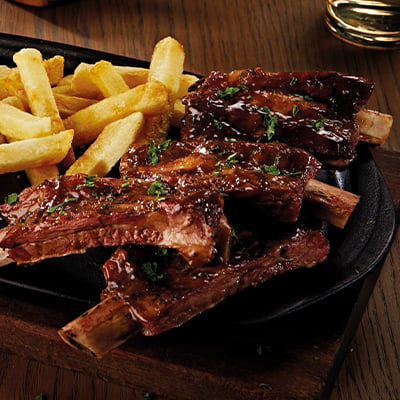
(293, 81)
(60, 207)
(231, 159)
(104, 206)
(161, 252)
(155, 149)
(157, 189)
(320, 123)
(307, 97)
(150, 270)
(218, 125)
(11, 198)
(124, 185)
(89, 181)
(270, 123)
(271, 169)
(296, 173)
(295, 110)
(266, 386)
(228, 92)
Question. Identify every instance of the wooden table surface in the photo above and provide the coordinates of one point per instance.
(278, 35)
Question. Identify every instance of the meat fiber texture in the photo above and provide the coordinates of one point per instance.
(163, 291)
(270, 176)
(70, 214)
(315, 110)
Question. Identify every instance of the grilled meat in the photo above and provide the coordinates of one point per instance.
(271, 175)
(70, 214)
(164, 291)
(315, 111)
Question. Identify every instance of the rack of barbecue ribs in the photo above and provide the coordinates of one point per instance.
(318, 111)
(188, 217)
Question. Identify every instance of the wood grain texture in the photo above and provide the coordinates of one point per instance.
(278, 35)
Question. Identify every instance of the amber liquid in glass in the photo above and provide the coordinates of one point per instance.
(373, 24)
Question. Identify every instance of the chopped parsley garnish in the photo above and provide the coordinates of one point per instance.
(295, 110)
(266, 386)
(60, 207)
(11, 198)
(89, 181)
(150, 270)
(275, 170)
(231, 159)
(157, 189)
(293, 81)
(218, 124)
(228, 92)
(161, 252)
(270, 122)
(124, 185)
(307, 97)
(155, 149)
(320, 123)
(271, 169)
(297, 173)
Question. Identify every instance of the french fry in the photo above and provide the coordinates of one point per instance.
(108, 147)
(54, 67)
(15, 102)
(88, 123)
(178, 113)
(11, 85)
(68, 105)
(81, 83)
(37, 86)
(37, 152)
(16, 124)
(186, 81)
(107, 79)
(133, 76)
(10, 80)
(39, 174)
(4, 69)
(166, 64)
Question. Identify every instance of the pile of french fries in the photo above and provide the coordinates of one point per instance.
(101, 109)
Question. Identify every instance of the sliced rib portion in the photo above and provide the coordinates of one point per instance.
(271, 175)
(150, 293)
(315, 110)
(70, 214)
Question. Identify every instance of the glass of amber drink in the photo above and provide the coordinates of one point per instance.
(368, 23)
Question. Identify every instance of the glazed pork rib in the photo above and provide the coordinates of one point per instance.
(273, 176)
(70, 214)
(149, 293)
(315, 111)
